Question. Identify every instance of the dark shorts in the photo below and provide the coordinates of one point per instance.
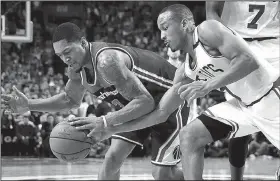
(165, 138)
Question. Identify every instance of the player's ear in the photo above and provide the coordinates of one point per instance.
(83, 42)
(189, 25)
(184, 23)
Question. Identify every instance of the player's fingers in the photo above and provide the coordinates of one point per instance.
(183, 88)
(185, 94)
(84, 127)
(6, 97)
(96, 133)
(4, 101)
(79, 122)
(18, 93)
(92, 132)
(77, 118)
(5, 106)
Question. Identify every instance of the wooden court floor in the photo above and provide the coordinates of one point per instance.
(16, 168)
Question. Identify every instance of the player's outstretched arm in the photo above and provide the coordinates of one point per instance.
(214, 10)
(114, 71)
(71, 98)
(62, 102)
(168, 104)
(242, 60)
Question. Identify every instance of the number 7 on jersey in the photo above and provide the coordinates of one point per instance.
(252, 7)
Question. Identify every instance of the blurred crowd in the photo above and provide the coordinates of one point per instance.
(35, 70)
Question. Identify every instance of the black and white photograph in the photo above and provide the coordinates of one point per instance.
(140, 90)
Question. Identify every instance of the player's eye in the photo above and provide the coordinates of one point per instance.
(66, 52)
(165, 28)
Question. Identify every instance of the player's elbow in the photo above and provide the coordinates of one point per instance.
(148, 103)
(163, 115)
(252, 62)
(70, 103)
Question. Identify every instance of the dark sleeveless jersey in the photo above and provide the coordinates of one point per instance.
(154, 72)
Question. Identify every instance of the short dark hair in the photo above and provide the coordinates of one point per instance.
(68, 31)
(179, 11)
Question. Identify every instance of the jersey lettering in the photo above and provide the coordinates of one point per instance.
(107, 94)
(207, 72)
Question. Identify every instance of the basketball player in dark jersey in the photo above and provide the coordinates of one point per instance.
(132, 79)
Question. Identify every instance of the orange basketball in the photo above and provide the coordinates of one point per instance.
(69, 144)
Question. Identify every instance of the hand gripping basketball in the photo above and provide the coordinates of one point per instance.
(17, 103)
(94, 124)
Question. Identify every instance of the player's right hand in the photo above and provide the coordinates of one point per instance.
(17, 103)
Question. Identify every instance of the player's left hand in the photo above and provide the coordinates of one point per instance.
(194, 90)
(92, 123)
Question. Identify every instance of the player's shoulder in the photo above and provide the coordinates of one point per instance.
(107, 58)
(209, 31)
(209, 27)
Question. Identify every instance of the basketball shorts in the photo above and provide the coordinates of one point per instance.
(244, 120)
(165, 138)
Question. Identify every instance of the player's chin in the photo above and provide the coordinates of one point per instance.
(173, 49)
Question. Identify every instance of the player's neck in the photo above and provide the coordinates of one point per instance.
(88, 57)
(189, 44)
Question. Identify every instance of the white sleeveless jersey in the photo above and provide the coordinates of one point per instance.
(249, 89)
(252, 19)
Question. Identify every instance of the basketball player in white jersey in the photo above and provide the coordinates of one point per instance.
(218, 58)
(258, 23)
(255, 21)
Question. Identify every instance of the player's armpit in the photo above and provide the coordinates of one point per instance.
(114, 71)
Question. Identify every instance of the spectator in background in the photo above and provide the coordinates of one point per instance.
(46, 129)
(217, 149)
(7, 120)
(8, 134)
(26, 134)
(36, 117)
(259, 146)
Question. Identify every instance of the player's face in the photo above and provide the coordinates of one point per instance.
(71, 53)
(172, 31)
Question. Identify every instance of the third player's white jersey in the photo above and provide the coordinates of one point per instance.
(252, 19)
(249, 89)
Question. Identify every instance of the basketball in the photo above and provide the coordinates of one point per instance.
(69, 144)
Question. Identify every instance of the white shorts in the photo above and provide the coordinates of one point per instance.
(267, 49)
(262, 116)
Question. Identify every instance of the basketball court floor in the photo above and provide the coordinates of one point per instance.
(15, 168)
